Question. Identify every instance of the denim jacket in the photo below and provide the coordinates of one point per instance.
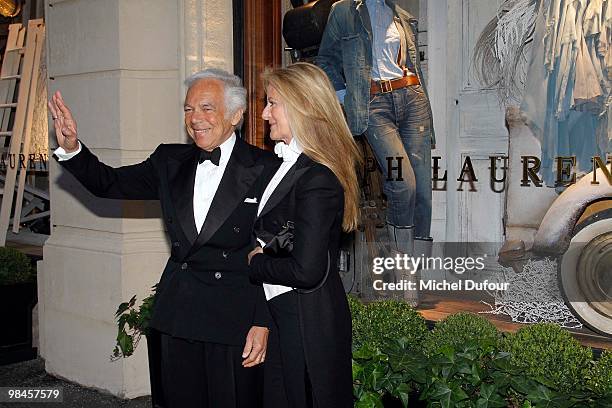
(345, 54)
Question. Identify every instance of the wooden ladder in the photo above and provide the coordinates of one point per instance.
(22, 64)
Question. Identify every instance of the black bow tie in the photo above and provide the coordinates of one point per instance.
(213, 156)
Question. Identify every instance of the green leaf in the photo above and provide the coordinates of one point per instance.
(522, 384)
(132, 323)
(126, 344)
(366, 352)
(447, 371)
(121, 322)
(457, 393)
(442, 393)
(369, 400)
(487, 390)
(470, 355)
(122, 308)
(448, 352)
(357, 390)
(402, 392)
(489, 397)
(374, 374)
(357, 371)
(466, 368)
(391, 380)
(501, 380)
(414, 365)
(540, 395)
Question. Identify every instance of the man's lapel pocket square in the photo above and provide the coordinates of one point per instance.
(251, 200)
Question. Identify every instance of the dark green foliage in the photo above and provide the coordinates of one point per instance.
(460, 329)
(549, 353)
(470, 376)
(467, 365)
(355, 305)
(132, 323)
(15, 267)
(389, 373)
(390, 319)
(600, 380)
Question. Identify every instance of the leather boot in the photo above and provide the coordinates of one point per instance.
(401, 240)
(422, 249)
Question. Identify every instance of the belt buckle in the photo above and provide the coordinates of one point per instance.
(385, 86)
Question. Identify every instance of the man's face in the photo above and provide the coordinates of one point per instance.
(205, 116)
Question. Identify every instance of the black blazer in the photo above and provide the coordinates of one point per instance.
(204, 293)
(325, 321)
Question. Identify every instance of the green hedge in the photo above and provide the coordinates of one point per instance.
(600, 380)
(460, 329)
(548, 352)
(375, 322)
(15, 267)
(466, 362)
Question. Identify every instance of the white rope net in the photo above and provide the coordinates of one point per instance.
(533, 296)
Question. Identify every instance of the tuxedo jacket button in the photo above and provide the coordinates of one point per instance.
(176, 244)
(184, 266)
(236, 229)
(218, 275)
(225, 254)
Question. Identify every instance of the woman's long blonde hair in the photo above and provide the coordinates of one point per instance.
(317, 122)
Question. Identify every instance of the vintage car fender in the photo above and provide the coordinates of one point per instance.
(556, 230)
(577, 230)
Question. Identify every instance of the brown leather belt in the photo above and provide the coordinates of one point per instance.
(389, 85)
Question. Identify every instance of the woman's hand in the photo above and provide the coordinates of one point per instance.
(254, 351)
(65, 125)
(255, 251)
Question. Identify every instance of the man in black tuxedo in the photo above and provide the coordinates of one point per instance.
(213, 320)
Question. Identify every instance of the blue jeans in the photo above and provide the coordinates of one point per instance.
(399, 127)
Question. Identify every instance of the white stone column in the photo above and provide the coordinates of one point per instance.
(207, 35)
(117, 64)
(120, 65)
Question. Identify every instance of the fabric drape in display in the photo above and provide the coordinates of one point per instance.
(568, 91)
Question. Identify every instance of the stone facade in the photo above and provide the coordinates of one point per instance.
(120, 65)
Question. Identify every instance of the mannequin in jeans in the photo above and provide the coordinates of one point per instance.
(369, 51)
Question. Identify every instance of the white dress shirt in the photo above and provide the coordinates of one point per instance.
(289, 154)
(385, 41)
(207, 178)
(62, 155)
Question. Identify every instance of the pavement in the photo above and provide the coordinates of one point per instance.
(32, 374)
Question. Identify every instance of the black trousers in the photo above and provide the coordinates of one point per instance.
(285, 362)
(207, 375)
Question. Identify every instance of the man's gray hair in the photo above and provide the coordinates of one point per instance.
(235, 93)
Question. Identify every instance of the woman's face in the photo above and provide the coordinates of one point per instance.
(276, 115)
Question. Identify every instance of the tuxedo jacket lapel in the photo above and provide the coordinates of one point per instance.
(284, 187)
(239, 176)
(181, 179)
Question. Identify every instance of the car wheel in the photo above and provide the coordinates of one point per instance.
(585, 270)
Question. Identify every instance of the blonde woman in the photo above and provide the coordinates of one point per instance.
(313, 196)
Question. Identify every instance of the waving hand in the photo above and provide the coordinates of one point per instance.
(65, 125)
